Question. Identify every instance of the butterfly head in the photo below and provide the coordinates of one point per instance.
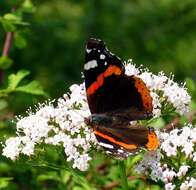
(98, 120)
(95, 44)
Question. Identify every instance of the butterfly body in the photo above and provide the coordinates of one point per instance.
(114, 100)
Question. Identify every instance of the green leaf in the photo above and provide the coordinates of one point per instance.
(78, 188)
(12, 17)
(193, 105)
(3, 104)
(190, 85)
(48, 176)
(82, 181)
(8, 26)
(19, 40)
(157, 123)
(9, 21)
(65, 176)
(33, 87)
(28, 6)
(5, 62)
(15, 79)
(4, 182)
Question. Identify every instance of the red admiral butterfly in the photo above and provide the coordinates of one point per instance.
(114, 100)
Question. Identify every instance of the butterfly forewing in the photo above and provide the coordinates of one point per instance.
(107, 86)
(97, 60)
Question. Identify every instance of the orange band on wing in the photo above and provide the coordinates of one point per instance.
(112, 69)
(124, 145)
(145, 94)
(153, 141)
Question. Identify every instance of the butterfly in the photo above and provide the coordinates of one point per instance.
(115, 100)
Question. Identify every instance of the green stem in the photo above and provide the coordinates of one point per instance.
(123, 176)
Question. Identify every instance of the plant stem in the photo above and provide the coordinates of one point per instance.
(7, 44)
(6, 48)
(123, 175)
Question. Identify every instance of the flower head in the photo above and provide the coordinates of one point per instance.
(174, 160)
(64, 124)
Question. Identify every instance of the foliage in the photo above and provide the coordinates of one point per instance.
(48, 46)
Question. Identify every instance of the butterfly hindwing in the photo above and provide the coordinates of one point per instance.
(125, 139)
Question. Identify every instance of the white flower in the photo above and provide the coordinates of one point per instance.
(81, 162)
(34, 126)
(152, 160)
(162, 87)
(156, 104)
(47, 112)
(194, 157)
(179, 138)
(28, 148)
(159, 81)
(177, 95)
(147, 77)
(12, 148)
(64, 125)
(183, 170)
(168, 175)
(188, 148)
(192, 183)
(131, 69)
(184, 186)
(169, 186)
(177, 146)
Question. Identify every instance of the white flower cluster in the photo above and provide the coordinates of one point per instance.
(163, 89)
(61, 125)
(174, 160)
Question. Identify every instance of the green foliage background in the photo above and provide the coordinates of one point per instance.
(157, 34)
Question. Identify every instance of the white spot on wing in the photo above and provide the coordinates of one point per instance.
(106, 145)
(102, 56)
(105, 63)
(108, 152)
(120, 151)
(88, 50)
(90, 65)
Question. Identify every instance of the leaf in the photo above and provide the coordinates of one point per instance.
(5, 62)
(3, 104)
(12, 17)
(4, 182)
(65, 176)
(15, 79)
(33, 87)
(28, 6)
(49, 176)
(9, 21)
(82, 181)
(190, 85)
(78, 188)
(19, 40)
(8, 26)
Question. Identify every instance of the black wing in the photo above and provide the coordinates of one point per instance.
(108, 88)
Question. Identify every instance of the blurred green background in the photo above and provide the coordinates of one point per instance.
(157, 34)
